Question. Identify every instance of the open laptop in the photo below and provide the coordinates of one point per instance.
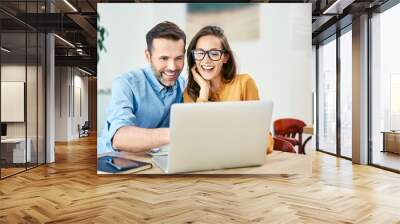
(208, 136)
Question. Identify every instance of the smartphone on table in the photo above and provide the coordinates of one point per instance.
(122, 164)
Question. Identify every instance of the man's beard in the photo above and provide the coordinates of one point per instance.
(159, 76)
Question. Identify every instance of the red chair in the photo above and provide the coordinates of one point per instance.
(287, 129)
(283, 145)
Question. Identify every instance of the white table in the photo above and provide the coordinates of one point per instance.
(276, 163)
(19, 149)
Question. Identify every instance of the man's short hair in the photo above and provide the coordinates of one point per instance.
(166, 30)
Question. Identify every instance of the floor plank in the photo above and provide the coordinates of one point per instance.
(69, 191)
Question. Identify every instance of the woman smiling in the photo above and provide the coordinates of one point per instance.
(212, 72)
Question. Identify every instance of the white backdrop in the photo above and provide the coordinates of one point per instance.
(280, 60)
(12, 101)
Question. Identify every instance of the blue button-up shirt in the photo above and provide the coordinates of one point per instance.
(139, 99)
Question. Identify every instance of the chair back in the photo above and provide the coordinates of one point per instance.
(86, 125)
(291, 130)
(288, 127)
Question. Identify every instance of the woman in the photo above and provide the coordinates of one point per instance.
(212, 72)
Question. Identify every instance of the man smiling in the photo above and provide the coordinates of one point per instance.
(139, 110)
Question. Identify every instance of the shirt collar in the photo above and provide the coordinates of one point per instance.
(157, 86)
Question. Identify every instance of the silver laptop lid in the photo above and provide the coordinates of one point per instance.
(207, 136)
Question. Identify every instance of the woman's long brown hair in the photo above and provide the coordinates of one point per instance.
(228, 69)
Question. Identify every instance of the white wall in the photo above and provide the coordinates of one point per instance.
(68, 83)
(279, 60)
(14, 72)
(33, 126)
(80, 83)
(61, 103)
(17, 73)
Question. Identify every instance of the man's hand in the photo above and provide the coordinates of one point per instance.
(135, 139)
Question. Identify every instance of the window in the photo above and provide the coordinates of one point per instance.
(385, 88)
(327, 96)
(346, 93)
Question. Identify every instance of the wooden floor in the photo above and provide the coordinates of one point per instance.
(69, 191)
(387, 159)
(5, 172)
(10, 171)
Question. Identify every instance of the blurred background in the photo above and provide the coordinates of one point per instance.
(272, 43)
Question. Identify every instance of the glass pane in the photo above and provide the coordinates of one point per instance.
(386, 89)
(23, 82)
(13, 86)
(346, 94)
(31, 86)
(31, 101)
(41, 98)
(327, 97)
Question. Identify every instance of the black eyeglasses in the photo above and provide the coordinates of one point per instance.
(215, 55)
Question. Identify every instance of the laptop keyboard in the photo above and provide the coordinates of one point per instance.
(161, 161)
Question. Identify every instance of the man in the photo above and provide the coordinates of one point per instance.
(139, 110)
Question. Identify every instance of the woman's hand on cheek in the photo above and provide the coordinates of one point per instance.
(204, 84)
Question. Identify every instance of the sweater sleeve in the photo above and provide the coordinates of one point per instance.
(249, 89)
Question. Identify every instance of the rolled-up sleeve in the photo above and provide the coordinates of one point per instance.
(122, 108)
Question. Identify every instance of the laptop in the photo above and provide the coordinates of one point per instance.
(210, 136)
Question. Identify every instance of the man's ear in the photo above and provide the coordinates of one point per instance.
(148, 55)
(225, 58)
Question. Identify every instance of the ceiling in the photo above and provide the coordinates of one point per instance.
(76, 24)
(333, 15)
